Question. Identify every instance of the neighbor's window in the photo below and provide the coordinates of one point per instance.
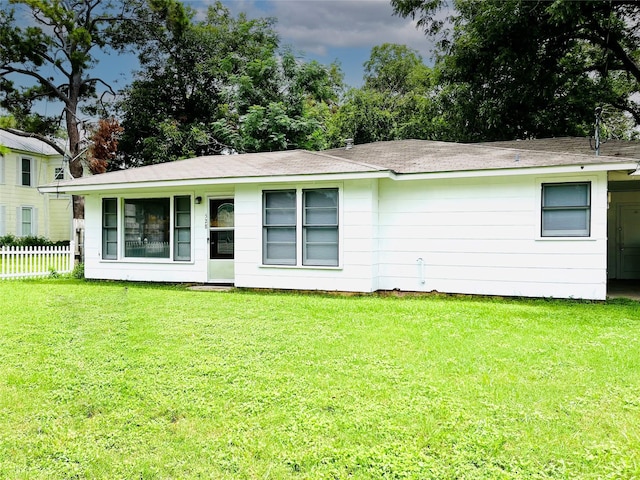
(146, 228)
(58, 173)
(182, 228)
(317, 234)
(26, 221)
(566, 209)
(109, 228)
(279, 228)
(320, 227)
(25, 172)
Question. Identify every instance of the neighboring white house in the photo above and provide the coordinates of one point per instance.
(24, 211)
(411, 215)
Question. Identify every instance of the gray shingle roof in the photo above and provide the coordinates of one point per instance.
(609, 148)
(422, 156)
(399, 157)
(290, 162)
(26, 144)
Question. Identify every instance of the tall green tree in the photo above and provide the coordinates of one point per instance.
(49, 48)
(395, 101)
(224, 85)
(514, 68)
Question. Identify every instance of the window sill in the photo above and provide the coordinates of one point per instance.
(301, 267)
(145, 261)
(566, 239)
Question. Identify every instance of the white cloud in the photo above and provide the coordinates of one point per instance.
(316, 25)
(330, 30)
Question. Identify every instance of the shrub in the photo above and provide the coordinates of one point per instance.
(8, 241)
(78, 271)
(30, 241)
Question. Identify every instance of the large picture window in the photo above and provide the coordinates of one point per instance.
(312, 235)
(146, 228)
(566, 209)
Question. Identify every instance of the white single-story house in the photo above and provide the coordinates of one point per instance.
(411, 215)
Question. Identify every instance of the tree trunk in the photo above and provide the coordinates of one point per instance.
(75, 162)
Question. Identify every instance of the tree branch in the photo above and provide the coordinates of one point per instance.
(99, 80)
(5, 69)
(634, 112)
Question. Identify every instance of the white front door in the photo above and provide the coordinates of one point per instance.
(628, 251)
(221, 240)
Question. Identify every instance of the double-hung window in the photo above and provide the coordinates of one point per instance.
(182, 228)
(300, 224)
(109, 228)
(27, 221)
(566, 209)
(26, 172)
(279, 230)
(320, 227)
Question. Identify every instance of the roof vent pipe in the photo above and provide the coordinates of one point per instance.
(349, 145)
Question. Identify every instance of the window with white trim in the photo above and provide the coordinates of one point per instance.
(320, 227)
(300, 224)
(566, 209)
(27, 221)
(151, 227)
(147, 227)
(279, 227)
(109, 228)
(182, 228)
(58, 173)
(25, 172)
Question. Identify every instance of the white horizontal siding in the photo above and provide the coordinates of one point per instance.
(145, 270)
(356, 237)
(473, 235)
(479, 235)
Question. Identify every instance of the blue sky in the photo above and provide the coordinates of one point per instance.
(344, 31)
(335, 30)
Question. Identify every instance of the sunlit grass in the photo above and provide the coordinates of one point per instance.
(110, 380)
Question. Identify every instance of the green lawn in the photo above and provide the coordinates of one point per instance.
(109, 380)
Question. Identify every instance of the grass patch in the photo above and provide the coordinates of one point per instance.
(112, 380)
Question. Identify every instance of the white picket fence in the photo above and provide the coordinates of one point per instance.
(34, 262)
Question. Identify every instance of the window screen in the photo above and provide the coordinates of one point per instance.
(320, 227)
(109, 228)
(566, 209)
(279, 227)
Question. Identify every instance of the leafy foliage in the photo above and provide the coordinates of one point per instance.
(224, 85)
(54, 54)
(29, 241)
(516, 69)
(394, 103)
